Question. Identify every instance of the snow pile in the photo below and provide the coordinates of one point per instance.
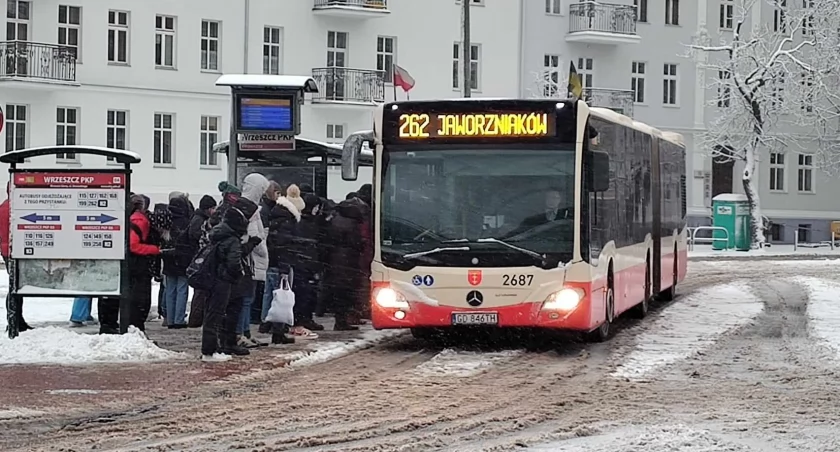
(51, 345)
(462, 363)
(823, 310)
(703, 250)
(18, 413)
(328, 351)
(676, 438)
(690, 325)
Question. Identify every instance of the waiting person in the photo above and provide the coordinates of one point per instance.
(5, 250)
(254, 187)
(220, 316)
(81, 312)
(206, 206)
(307, 264)
(144, 263)
(341, 275)
(175, 264)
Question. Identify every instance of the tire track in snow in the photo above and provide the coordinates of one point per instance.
(686, 327)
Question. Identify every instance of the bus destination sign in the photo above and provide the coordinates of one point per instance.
(421, 126)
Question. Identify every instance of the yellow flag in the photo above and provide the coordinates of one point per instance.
(575, 85)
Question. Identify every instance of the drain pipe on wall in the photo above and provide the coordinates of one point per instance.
(247, 31)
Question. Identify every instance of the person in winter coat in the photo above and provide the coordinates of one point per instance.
(206, 206)
(282, 229)
(221, 316)
(175, 264)
(230, 194)
(254, 186)
(143, 255)
(362, 310)
(341, 276)
(269, 200)
(5, 250)
(308, 268)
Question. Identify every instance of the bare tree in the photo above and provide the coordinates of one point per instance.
(776, 88)
(549, 84)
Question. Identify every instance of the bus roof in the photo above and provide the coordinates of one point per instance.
(615, 117)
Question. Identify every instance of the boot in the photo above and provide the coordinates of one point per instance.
(342, 324)
(280, 338)
(237, 350)
(311, 325)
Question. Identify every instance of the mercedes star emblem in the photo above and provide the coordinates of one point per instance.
(474, 298)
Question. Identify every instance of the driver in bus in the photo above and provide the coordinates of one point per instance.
(557, 208)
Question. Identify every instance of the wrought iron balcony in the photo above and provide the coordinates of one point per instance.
(602, 23)
(24, 60)
(355, 86)
(619, 100)
(352, 8)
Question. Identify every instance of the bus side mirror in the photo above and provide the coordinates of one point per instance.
(600, 167)
(350, 153)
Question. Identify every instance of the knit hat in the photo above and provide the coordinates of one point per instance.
(206, 203)
(177, 194)
(137, 203)
(227, 188)
(293, 195)
(146, 202)
(306, 188)
(312, 201)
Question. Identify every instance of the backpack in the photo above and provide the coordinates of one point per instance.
(201, 273)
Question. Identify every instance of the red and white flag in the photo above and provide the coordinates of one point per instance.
(403, 79)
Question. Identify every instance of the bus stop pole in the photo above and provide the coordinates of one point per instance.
(233, 147)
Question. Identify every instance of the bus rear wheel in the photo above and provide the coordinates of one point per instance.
(670, 293)
(602, 333)
(641, 310)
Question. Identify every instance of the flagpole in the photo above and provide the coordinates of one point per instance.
(394, 80)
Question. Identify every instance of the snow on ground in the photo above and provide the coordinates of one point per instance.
(51, 345)
(454, 363)
(322, 352)
(823, 310)
(672, 438)
(691, 324)
(17, 413)
(772, 251)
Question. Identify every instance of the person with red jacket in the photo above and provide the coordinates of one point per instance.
(5, 251)
(143, 255)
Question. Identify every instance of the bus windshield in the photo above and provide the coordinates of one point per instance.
(482, 206)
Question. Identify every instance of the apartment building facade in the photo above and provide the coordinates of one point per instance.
(114, 74)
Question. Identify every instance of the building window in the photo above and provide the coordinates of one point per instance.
(804, 233)
(335, 132)
(669, 84)
(777, 93)
(118, 37)
(727, 11)
(165, 41)
(586, 70)
(779, 19)
(17, 20)
(272, 46)
(777, 232)
(209, 137)
(386, 49)
(672, 12)
(15, 127)
(210, 45)
(163, 138)
(808, 90)
(724, 90)
(808, 20)
(475, 60)
(641, 10)
(551, 75)
(637, 81)
(806, 173)
(117, 131)
(66, 131)
(552, 7)
(70, 27)
(777, 171)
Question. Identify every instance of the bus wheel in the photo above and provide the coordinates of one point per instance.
(602, 333)
(670, 293)
(641, 309)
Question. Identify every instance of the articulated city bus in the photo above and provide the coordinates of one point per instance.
(520, 213)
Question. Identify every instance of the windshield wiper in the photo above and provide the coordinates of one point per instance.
(435, 251)
(533, 254)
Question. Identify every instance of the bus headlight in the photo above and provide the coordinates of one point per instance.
(564, 300)
(390, 298)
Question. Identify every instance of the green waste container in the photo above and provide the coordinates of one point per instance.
(731, 211)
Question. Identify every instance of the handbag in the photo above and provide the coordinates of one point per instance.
(282, 304)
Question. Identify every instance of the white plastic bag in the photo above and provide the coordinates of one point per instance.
(282, 304)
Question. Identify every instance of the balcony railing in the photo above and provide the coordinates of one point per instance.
(37, 61)
(361, 4)
(619, 100)
(338, 84)
(602, 17)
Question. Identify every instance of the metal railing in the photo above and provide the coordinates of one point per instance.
(364, 4)
(797, 244)
(602, 17)
(619, 100)
(338, 84)
(693, 239)
(34, 60)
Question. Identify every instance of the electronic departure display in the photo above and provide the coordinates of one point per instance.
(420, 126)
(266, 114)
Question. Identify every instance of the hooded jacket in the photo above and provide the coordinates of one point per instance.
(282, 230)
(254, 187)
(308, 235)
(228, 237)
(176, 264)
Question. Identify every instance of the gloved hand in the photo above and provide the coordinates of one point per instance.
(167, 251)
(254, 241)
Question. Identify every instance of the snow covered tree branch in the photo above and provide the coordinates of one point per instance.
(774, 88)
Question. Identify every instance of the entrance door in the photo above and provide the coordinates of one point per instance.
(336, 62)
(18, 16)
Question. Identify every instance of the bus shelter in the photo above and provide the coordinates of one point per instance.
(310, 162)
(68, 228)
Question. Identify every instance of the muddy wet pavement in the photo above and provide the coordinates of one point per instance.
(762, 384)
